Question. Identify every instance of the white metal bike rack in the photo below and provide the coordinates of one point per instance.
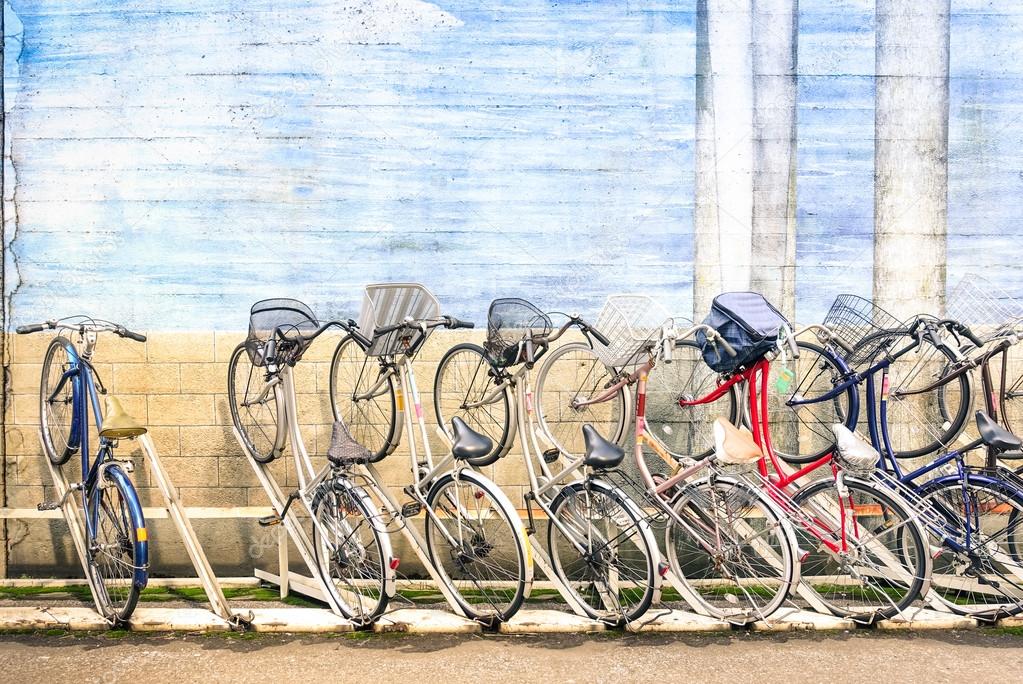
(176, 512)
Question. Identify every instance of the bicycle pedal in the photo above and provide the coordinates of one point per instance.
(269, 520)
(551, 455)
(48, 506)
(411, 509)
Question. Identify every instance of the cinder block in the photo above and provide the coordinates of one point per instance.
(192, 471)
(25, 378)
(181, 409)
(180, 347)
(213, 440)
(204, 378)
(224, 344)
(145, 378)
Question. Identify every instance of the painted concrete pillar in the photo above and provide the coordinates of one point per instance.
(724, 150)
(911, 155)
(775, 31)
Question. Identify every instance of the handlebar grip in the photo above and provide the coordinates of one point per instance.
(601, 337)
(30, 328)
(965, 331)
(138, 337)
(383, 330)
(361, 339)
(456, 323)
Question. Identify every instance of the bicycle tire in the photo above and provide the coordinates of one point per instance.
(843, 597)
(599, 571)
(58, 418)
(818, 372)
(477, 543)
(471, 381)
(372, 421)
(340, 506)
(580, 374)
(947, 495)
(917, 435)
(264, 438)
(686, 431)
(751, 578)
(120, 577)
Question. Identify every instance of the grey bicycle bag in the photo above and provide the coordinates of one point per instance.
(746, 321)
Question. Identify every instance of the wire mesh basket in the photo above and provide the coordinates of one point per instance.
(633, 324)
(509, 322)
(989, 311)
(292, 316)
(863, 326)
(386, 304)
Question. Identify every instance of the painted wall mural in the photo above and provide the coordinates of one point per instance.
(166, 166)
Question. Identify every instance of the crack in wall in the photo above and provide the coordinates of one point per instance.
(7, 249)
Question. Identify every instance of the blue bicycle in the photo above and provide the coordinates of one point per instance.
(115, 531)
(973, 513)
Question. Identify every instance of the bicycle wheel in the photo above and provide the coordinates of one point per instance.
(255, 407)
(465, 387)
(353, 551)
(118, 559)
(362, 396)
(922, 423)
(477, 544)
(884, 565)
(603, 550)
(984, 577)
(686, 430)
(56, 402)
(570, 373)
(732, 548)
(802, 433)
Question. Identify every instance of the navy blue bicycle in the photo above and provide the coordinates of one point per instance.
(972, 511)
(116, 539)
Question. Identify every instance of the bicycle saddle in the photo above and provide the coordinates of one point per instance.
(119, 425)
(468, 443)
(600, 453)
(734, 446)
(343, 447)
(852, 452)
(995, 436)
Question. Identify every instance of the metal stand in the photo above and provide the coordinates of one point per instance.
(208, 579)
(315, 584)
(74, 523)
(176, 512)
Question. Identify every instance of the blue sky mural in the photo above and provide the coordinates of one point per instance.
(171, 166)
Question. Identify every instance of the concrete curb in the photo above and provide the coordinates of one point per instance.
(426, 621)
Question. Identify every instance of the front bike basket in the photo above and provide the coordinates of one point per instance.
(386, 304)
(292, 316)
(633, 323)
(989, 311)
(862, 325)
(509, 322)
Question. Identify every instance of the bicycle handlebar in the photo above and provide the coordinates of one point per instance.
(712, 335)
(449, 322)
(90, 326)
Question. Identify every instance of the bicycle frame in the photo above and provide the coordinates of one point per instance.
(660, 493)
(84, 397)
(908, 483)
(544, 483)
(424, 470)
